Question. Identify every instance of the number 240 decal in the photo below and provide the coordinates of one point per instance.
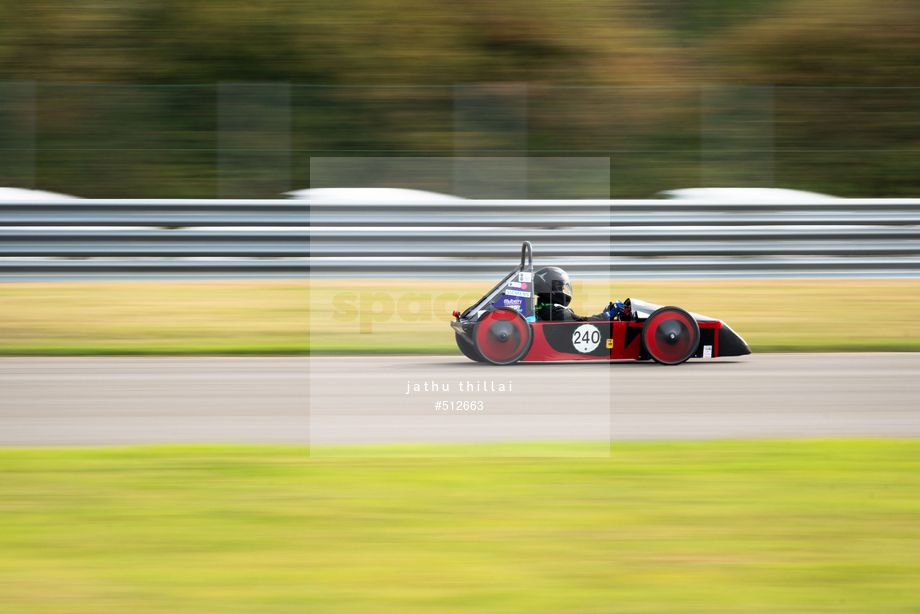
(585, 338)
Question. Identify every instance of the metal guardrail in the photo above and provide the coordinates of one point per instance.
(477, 213)
(150, 239)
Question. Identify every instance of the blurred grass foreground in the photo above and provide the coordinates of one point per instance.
(411, 316)
(809, 526)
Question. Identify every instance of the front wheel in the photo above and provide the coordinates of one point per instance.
(670, 335)
(502, 336)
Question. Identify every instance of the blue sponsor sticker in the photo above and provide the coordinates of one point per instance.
(513, 303)
(518, 293)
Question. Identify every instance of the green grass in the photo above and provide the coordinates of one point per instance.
(765, 526)
(411, 317)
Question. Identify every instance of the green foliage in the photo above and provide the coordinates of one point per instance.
(126, 140)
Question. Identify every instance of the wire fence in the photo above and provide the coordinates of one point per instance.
(259, 140)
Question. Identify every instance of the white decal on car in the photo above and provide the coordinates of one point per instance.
(586, 338)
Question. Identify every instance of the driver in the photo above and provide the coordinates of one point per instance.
(554, 292)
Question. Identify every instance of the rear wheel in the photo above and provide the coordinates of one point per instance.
(670, 335)
(503, 336)
(469, 350)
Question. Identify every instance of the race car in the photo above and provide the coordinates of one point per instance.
(503, 328)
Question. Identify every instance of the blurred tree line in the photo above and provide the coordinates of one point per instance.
(164, 98)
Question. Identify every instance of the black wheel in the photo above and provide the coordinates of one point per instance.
(670, 335)
(502, 336)
(469, 350)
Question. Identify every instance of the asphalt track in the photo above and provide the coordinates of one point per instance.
(108, 401)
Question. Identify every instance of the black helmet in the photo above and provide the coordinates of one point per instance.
(552, 285)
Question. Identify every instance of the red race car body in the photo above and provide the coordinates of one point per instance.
(503, 328)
